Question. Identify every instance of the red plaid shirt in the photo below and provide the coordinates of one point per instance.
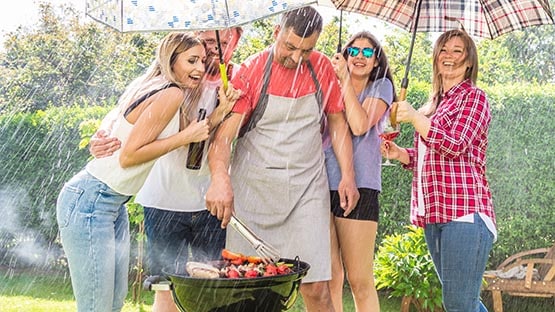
(454, 180)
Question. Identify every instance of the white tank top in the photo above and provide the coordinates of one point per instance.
(126, 181)
(170, 185)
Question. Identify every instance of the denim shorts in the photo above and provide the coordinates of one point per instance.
(175, 237)
(94, 230)
(367, 208)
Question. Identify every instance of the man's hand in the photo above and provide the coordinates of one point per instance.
(102, 145)
(219, 198)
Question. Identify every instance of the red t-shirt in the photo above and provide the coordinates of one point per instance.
(286, 82)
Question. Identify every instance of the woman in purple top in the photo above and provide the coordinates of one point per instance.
(366, 82)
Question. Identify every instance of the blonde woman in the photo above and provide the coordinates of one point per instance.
(150, 121)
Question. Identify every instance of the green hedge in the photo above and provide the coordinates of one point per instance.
(40, 151)
(521, 167)
(520, 163)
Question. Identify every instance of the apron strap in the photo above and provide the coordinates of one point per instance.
(319, 96)
(263, 99)
(146, 96)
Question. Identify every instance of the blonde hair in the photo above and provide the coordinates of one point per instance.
(160, 72)
(171, 46)
(437, 83)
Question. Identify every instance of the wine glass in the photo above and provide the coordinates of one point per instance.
(389, 133)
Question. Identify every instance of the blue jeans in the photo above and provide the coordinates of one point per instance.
(175, 236)
(460, 252)
(94, 229)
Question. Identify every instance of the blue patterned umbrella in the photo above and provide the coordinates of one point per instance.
(180, 15)
(168, 15)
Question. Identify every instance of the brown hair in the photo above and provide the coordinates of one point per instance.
(304, 21)
(380, 71)
(437, 82)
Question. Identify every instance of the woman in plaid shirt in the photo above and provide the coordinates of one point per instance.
(450, 198)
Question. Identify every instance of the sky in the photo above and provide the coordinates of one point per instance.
(25, 13)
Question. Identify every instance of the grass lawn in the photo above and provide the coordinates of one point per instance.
(37, 291)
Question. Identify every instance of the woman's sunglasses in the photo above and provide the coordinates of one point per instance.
(366, 52)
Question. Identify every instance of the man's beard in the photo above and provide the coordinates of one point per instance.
(289, 63)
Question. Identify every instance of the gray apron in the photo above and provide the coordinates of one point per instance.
(280, 184)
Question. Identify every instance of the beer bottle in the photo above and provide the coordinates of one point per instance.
(196, 149)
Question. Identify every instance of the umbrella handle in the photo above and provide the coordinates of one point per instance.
(402, 94)
(223, 67)
(223, 74)
(405, 80)
(393, 113)
(340, 30)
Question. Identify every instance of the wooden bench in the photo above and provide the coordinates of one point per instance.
(537, 282)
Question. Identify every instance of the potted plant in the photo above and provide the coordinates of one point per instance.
(404, 266)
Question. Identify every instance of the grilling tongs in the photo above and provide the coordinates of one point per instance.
(267, 252)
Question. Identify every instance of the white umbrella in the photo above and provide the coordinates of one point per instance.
(170, 15)
(180, 15)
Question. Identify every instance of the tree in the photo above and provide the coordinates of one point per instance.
(531, 53)
(397, 46)
(256, 38)
(259, 35)
(520, 56)
(328, 41)
(495, 63)
(63, 62)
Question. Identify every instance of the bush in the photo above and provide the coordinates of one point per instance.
(404, 266)
(39, 153)
(521, 162)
